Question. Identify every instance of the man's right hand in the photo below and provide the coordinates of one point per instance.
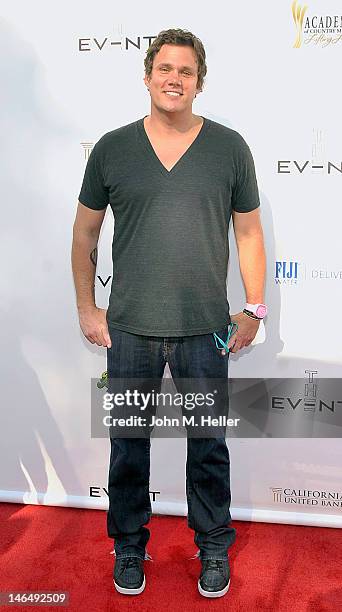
(94, 326)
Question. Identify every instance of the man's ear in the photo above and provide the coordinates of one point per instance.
(146, 80)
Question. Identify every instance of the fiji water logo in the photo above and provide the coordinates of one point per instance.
(286, 272)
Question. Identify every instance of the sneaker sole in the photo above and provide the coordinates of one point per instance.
(213, 593)
(126, 591)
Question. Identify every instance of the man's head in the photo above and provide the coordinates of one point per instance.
(175, 62)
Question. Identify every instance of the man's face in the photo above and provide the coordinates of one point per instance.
(174, 70)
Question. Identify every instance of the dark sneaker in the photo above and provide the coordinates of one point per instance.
(129, 577)
(214, 580)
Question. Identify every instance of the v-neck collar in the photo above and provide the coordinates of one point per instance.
(153, 155)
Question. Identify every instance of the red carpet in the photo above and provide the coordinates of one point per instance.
(275, 568)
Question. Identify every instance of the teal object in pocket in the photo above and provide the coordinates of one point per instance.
(220, 344)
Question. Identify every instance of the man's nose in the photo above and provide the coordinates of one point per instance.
(174, 76)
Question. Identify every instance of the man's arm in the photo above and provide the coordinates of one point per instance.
(86, 232)
(250, 244)
(252, 260)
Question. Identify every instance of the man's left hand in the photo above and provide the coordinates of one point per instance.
(245, 333)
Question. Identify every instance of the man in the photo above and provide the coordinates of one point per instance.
(173, 179)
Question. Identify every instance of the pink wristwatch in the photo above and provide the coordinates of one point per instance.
(259, 311)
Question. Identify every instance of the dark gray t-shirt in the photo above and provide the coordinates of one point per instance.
(170, 246)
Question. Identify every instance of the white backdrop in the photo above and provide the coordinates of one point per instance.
(65, 83)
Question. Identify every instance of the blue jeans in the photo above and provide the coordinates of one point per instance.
(208, 463)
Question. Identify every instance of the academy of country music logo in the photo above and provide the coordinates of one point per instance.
(315, 29)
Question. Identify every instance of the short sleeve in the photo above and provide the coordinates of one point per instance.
(245, 196)
(94, 193)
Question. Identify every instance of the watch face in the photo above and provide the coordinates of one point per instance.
(261, 311)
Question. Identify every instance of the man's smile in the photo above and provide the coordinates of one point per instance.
(173, 93)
